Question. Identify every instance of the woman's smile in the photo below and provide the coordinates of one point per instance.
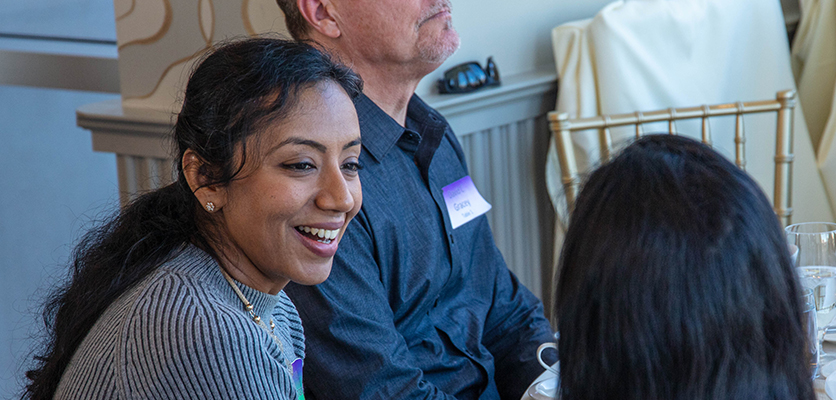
(320, 239)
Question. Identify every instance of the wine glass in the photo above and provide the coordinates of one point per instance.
(816, 267)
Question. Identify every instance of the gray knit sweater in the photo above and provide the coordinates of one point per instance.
(183, 333)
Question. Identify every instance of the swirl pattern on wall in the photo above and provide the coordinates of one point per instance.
(159, 39)
(122, 14)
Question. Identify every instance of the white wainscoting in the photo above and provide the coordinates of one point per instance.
(503, 132)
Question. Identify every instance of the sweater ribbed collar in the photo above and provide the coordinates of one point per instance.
(208, 268)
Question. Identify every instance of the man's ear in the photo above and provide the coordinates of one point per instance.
(194, 170)
(321, 15)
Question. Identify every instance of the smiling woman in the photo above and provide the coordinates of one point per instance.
(180, 294)
(306, 178)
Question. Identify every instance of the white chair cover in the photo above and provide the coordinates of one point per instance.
(644, 55)
(814, 65)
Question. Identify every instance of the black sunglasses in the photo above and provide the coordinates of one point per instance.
(467, 77)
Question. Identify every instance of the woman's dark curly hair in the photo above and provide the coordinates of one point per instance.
(237, 89)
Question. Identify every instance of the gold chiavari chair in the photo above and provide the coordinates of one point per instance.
(783, 105)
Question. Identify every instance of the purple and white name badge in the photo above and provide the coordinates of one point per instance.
(464, 202)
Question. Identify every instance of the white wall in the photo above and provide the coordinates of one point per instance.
(52, 187)
(516, 33)
(85, 19)
(52, 184)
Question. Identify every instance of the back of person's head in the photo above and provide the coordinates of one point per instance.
(675, 283)
(236, 90)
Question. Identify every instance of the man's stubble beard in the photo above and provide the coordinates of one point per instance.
(430, 50)
(435, 50)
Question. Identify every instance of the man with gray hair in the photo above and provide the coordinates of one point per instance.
(418, 305)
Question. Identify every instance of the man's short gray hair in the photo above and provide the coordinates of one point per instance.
(297, 25)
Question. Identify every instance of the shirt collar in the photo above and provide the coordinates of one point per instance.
(380, 132)
(422, 115)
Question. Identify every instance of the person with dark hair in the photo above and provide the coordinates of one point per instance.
(180, 294)
(676, 283)
(419, 306)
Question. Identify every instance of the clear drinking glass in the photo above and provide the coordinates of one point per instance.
(812, 331)
(816, 267)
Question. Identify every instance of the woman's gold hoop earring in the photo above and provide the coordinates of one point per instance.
(210, 206)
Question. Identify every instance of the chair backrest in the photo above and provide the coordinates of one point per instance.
(783, 105)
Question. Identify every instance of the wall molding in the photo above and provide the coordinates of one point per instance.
(143, 131)
(519, 97)
(58, 63)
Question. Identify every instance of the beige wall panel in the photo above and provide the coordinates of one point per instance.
(159, 39)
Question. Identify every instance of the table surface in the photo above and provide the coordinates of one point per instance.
(829, 346)
(549, 375)
(818, 384)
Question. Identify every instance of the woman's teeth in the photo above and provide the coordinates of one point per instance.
(321, 235)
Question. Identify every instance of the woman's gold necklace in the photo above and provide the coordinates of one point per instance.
(249, 308)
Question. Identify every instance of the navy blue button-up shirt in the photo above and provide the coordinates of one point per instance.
(415, 309)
